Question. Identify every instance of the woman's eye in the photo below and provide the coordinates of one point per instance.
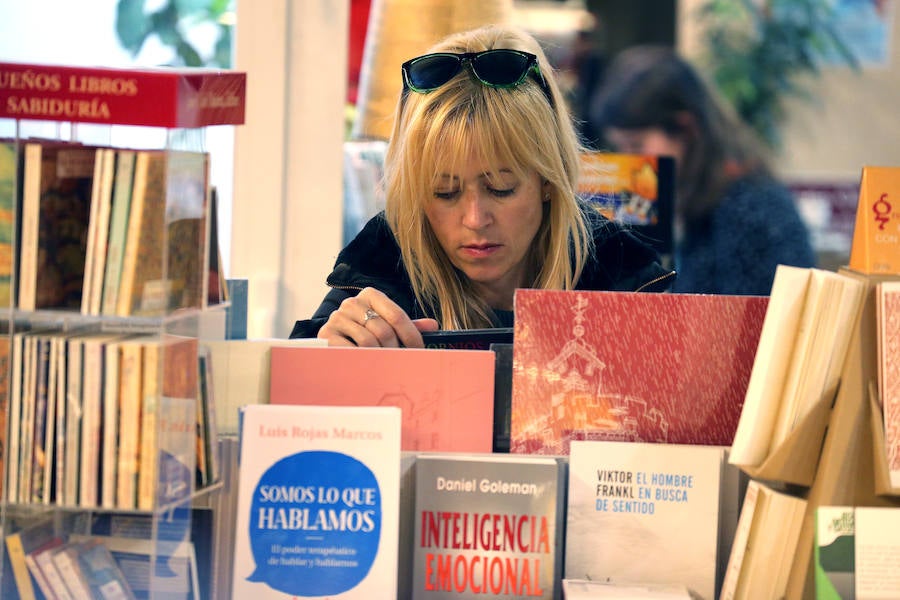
(446, 194)
(502, 193)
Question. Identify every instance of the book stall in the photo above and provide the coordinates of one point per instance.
(610, 444)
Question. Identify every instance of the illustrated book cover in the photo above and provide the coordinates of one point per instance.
(636, 190)
(887, 311)
(833, 553)
(446, 396)
(56, 204)
(667, 368)
(487, 526)
(646, 513)
(318, 502)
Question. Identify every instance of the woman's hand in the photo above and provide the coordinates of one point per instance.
(372, 319)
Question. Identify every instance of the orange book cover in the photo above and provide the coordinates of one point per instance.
(634, 189)
(876, 233)
(446, 396)
(665, 368)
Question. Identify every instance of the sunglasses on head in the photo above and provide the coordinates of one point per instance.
(498, 68)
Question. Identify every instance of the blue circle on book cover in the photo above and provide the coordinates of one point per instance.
(315, 524)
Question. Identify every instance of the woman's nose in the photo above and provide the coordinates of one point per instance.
(476, 211)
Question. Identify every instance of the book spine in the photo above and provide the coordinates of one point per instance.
(20, 569)
(147, 469)
(129, 424)
(110, 427)
(28, 245)
(732, 579)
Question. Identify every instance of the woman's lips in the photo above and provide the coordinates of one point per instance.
(480, 250)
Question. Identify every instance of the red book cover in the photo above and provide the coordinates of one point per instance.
(446, 396)
(665, 368)
(156, 97)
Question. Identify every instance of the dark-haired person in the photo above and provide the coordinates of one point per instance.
(735, 221)
(480, 177)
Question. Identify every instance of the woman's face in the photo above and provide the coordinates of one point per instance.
(486, 221)
(651, 141)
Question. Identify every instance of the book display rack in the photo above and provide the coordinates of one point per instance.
(104, 254)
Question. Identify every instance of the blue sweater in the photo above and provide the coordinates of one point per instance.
(736, 248)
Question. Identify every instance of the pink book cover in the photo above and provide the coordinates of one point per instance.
(888, 307)
(665, 368)
(446, 396)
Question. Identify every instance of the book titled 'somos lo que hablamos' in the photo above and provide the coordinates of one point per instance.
(664, 368)
(318, 502)
(486, 526)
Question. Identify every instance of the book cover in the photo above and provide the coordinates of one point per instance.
(585, 589)
(486, 526)
(93, 366)
(26, 443)
(130, 390)
(9, 174)
(180, 544)
(442, 410)
(187, 190)
(5, 370)
(875, 246)
(142, 263)
(56, 201)
(12, 449)
(102, 573)
(43, 416)
(833, 553)
(21, 543)
(876, 550)
(236, 312)
(467, 339)
(45, 562)
(888, 338)
(168, 421)
(98, 231)
(118, 226)
(669, 368)
(318, 502)
(633, 189)
(156, 97)
(640, 512)
(503, 368)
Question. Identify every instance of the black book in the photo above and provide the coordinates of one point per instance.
(468, 339)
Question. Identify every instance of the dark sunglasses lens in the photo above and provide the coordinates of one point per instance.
(501, 68)
(430, 72)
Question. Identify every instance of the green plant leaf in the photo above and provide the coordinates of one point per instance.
(131, 25)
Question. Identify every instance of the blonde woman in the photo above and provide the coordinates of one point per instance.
(480, 178)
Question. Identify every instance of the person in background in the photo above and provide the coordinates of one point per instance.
(735, 222)
(480, 177)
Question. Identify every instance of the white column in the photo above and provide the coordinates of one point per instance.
(287, 208)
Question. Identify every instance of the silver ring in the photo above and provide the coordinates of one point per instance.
(370, 314)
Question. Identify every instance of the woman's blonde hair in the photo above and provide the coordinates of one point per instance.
(514, 128)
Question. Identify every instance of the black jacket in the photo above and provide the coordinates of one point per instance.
(619, 262)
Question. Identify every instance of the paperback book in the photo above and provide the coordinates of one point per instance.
(318, 502)
(646, 513)
(446, 396)
(666, 368)
(487, 526)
